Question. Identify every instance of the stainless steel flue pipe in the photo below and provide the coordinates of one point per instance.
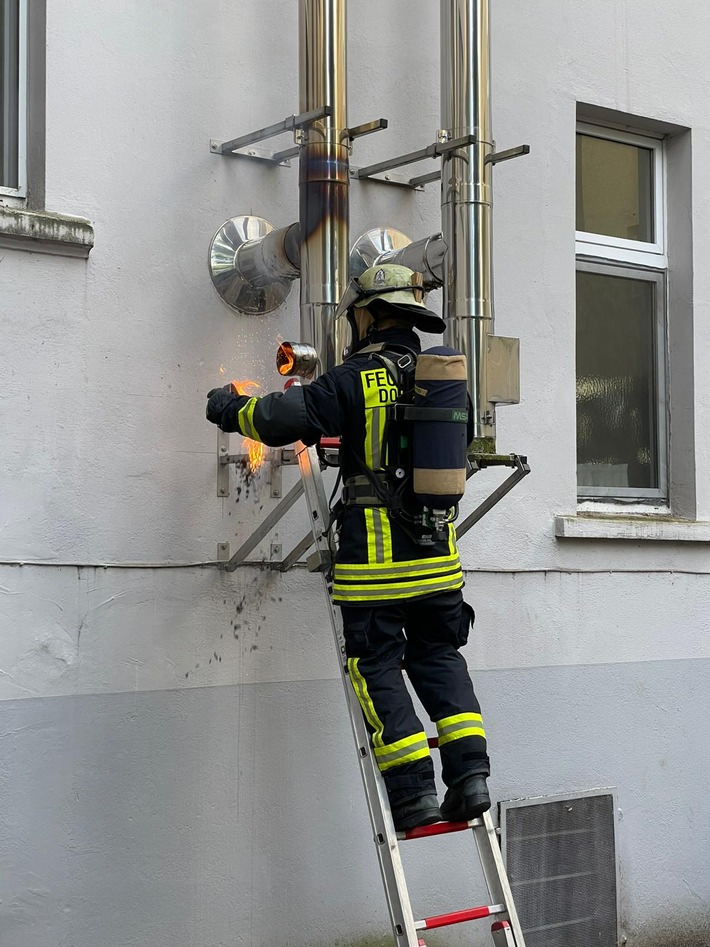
(324, 173)
(466, 197)
(251, 264)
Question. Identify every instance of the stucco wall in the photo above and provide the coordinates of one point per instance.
(176, 765)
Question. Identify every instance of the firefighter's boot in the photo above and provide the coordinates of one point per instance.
(411, 813)
(466, 799)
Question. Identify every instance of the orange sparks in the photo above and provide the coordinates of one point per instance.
(255, 449)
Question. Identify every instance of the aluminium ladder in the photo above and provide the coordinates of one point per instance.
(505, 930)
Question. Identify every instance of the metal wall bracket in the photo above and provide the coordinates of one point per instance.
(382, 170)
(258, 153)
(245, 146)
(388, 177)
(497, 156)
(269, 131)
(479, 462)
(276, 459)
(264, 528)
(436, 150)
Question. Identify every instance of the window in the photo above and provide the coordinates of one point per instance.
(622, 439)
(13, 97)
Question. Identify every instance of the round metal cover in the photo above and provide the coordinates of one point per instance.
(238, 293)
(368, 248)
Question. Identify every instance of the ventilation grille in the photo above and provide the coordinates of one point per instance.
(561, 862)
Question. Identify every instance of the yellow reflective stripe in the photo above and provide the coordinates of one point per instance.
(407, 750)
(409, 758)
(415, 583)
(346, 593)
(388, 748)
(378, 415)
(245, 420)
(371, 535)
(365, 701)
(374, 430)
(452, 540)
(379, 537)
(393, 569)
(368, 439)
(386, 534)
(458, 726)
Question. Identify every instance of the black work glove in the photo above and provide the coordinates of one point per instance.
(223, 405)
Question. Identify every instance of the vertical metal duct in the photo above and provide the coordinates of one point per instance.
(324, 172)
(466, 197)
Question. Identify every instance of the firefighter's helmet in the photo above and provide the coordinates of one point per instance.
(398, 293)
(389, 291)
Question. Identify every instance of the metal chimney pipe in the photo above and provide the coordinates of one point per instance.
(466, 197)
(324, 173)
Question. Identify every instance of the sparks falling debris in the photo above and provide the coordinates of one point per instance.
(255, 449)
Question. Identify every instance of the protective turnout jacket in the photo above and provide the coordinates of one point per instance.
(376, 561)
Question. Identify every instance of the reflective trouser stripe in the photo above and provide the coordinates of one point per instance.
(245, 420)
(406, 750)
(458, 726)
(368, 708)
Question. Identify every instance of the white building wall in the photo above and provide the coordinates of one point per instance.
(176, 764)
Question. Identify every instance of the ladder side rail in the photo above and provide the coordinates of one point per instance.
(494, 872)
(385, 837)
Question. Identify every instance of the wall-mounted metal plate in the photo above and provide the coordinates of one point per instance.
(368, 248)
(503, 370)
(233, 289)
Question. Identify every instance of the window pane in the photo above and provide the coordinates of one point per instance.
(617, 396)
(614, 189)
(9, 92)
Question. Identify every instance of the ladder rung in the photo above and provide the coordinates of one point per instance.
(458, 917)
(438, 828)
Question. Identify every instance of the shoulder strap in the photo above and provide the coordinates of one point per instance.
(400, 362)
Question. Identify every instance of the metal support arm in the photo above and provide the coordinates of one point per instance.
(436, 150)
(270, 131)
(264, 528)
(522, 469)
(433, 151)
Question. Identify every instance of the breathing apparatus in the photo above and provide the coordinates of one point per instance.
(424, 474)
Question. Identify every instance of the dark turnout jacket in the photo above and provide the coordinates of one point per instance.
(377, 561)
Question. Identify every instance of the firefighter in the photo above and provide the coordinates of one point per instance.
(401, 601)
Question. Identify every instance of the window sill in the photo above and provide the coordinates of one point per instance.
(44, 232)
(632, 528)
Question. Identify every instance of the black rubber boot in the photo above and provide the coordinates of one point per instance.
(411, 813)
(466, 800)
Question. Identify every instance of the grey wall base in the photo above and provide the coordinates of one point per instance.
(234, 815)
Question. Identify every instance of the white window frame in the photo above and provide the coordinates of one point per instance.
(658, 278)
(634, 259)
(617, 248)
(21, 190)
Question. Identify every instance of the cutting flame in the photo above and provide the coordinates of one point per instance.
(285, 359)
(255, 449)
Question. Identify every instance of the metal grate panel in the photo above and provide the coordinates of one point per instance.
(560, 856)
